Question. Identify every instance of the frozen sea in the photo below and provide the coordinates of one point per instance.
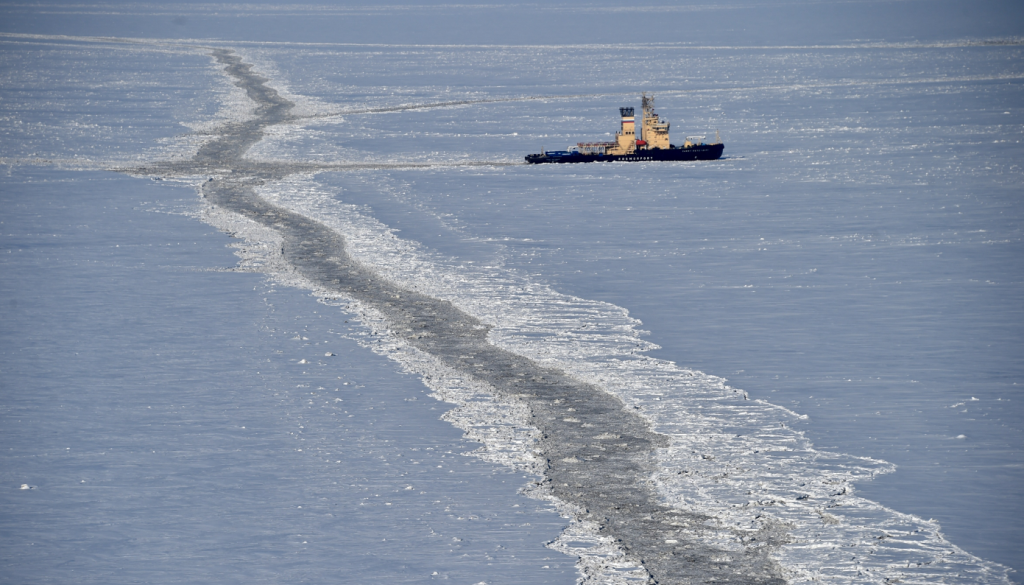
(176, 406)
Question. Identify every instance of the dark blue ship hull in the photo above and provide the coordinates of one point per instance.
(701, 152)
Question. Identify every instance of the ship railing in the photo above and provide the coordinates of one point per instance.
(594, 147)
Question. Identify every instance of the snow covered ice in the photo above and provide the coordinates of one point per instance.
(825, 325)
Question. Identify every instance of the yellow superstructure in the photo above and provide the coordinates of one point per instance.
(625, 138)
(655, 132)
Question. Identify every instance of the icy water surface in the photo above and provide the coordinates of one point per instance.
(866, 261)
(166, 420)
(852, 267)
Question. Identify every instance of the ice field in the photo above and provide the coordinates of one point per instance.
(826, 325)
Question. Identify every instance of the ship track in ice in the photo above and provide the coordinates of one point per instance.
(607, 482)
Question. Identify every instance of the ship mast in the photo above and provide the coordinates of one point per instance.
(654, 132)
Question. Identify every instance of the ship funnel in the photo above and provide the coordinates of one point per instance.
(628, 127)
